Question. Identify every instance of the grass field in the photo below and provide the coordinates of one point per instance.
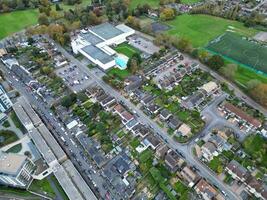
(200, 29)
(152, 3)
(126, 49)
(16, 21)
(232, 46)
(121, 74)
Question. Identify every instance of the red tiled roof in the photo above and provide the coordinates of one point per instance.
(242, 114)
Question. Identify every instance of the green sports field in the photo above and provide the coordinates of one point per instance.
(16, 21)
(126, 49)
(238, 49)
(200, 29)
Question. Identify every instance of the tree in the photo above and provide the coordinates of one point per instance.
(167, 14)
(58, 8)
(252, 84)
(229, 71)
(215, 62)
(259, 94)
(195, 53)
(43, 19)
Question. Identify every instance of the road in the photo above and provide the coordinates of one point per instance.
(74, 152)
(191, 160)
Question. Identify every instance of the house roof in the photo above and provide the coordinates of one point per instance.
(238, 169)
(184, 129)
(210, 146)
(240, 113)
(165, 113)
(153, 140)
(205, 188)
(162, 150)
(172, 158)
(119, 108)
(209, 87)
(121, 165)
(174, 122)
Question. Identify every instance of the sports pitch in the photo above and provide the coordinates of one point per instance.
(238, 49)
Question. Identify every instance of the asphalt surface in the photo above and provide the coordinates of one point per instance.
(184, 149)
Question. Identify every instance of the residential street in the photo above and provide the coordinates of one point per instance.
(186, 151)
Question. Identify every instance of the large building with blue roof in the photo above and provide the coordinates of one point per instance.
(94, 43)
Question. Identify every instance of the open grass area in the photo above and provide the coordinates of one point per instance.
(243, 75)
(7, 137)
(16, 191)
(126, 49)
(200, 29)
(152, 3)
(42, 187)
(16, 21)
(16, 121)
(121, 74)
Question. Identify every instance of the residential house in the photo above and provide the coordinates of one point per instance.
(209, 150)
(132, 83)
(151, 141)
(204, 189)
(161, 151)
(194, 100)
(189, 176)
(147, 99)
(184, 130)
(210, 88)
(165, 114)
(174, 122)
(141, 130)
(173, 161)
(153, 109)
(237, 171)
(256, 187)
(242, 116)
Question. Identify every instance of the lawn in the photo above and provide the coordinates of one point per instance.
(121, 74)
(15, 21)
(152, 3)
(16, 121)
(216, 164)
(8, 137)
(200, 29)
(243, 75)
(43, 187)
(126, 49)
(255, 146)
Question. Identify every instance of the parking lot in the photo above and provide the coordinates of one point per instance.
(74, 78)
(143, 44)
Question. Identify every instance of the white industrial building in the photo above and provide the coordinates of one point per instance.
(15, 170)
(94, 43)
(5, 103)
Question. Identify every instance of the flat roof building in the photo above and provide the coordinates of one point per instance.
(15, 170)
(94, 43)
(5, 103)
